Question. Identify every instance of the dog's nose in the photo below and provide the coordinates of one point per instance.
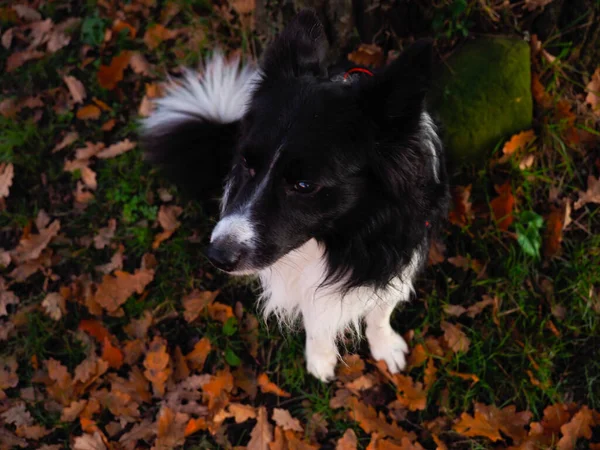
(224, 255)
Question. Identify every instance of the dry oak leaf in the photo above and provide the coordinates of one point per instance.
(105, 235)
(436, 252)
(553, 234)
(171, 429)
(139, 64)
(370, 422)
(167, 218)
(217, 390)
(8, 374)
(241, 413)
(17, 415)
(430, 375)
(95, 329)
(243, 6)
(462, 208)
(268, 387)
(593, 88)
(196, 301)
(88, 112)
(262, 433)
(351, 368)
(7, 298)
(284, 419)
(155, 34)
(367, 55)
(220, 312)
(9, 440)
(34, 432)
(592, 195)
(67, 140)
(76, 88)
(115, 290)
(138, 328)
(116, 149)
(112, 354)
(410, 394)
(489, 421)
(503, 205)
(109, 76)
(7, 173)
(31, 247)
(580, 426)
(456, 340)
(54, 305)
(348, 441)
(157, 365)
(119, 25)
(89, 442)
(89, 150)
(464, 376)
(72, 412)
(519, 141)
(198, 355)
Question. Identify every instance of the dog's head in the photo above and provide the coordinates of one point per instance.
(314, 156)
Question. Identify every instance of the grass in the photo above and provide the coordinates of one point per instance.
(539, 347)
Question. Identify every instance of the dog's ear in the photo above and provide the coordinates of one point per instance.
(298, 50)
(397, 94)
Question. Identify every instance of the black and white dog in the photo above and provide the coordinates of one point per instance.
(334, 185)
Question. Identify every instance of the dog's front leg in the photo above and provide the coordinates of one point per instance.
(384, 342)
(321, 349)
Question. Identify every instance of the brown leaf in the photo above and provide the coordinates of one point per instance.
(476, 309)
(157, 365)
(462, 212)
(367, 55)
(217, 390)
(120, 25)
(156, 34)
(7, 298)
(17, 59)
(351, 368)
(489, 421)
(115, 263)
(593, 88)
(370, 422)
(167, 218)
(139, 64)
(519, 141)
(580, 426)
(89, 150)
(89, 442)
(27, 13)
(553, 232)
(171, 429)
(88, 112)
(31, 247)
(95, 329)
(109, 76)
(219, 311)
(503, 205)
(196, 301)
(75, 88)
(34, 432)
(456, 340)
(242, 413)
(115, 290)
(116, 149)
(284, 419)
(535, 4)
(67, 140)
(54, 305)
(262, 433)
(72, 412)
(592, 195)
(436, 252)
(455, 310)
(17, 415)
(430, 374)
(105, 235)
(348, 441)
(268, 387)
(111, 354)
(8, 374)
(410, 394)
(7, 172)
(198, 355)
(243, 7)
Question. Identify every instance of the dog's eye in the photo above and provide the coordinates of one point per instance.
(305, 187)
(247, 166)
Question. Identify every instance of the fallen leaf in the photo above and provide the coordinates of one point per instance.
(157, 365)
(115, 263)
(198, 355)
(243, 7)
(371, 422)
(31, 247)
(268, 387)
(195, 303)
(348, 441)
(120, 25)
(72, 412)
(115, 290)
(370, 55)
(54, 305)
(461, 213)
(105, 235)
(95, 329)
(593, 88)
(8, 374)
(410, 394)
(219, 311)
(242, 413)
(109, 76)
(592, 195)
(7, 298)
(157, 33)
(116, 149)
(532, 5)
(284, 419)
(27, 13)
(456, 340)
(553, 233)
(195, 425)
(464, 376)
(436, 252)
(476, 309)
(262, 433)
(67, 140)
(139, 64)
(430, 375)
(580, 426)
(35, 432)
(171, 429)
(17, 59)
(88, 112)
(89, 442)
(489, 421)
(17, 415)
(455, 310)
(503, 205)
(111, 354)
(217, 390)
(89, 150)
(519, 141)
(167, 218)
(7, 172)
(75, 88)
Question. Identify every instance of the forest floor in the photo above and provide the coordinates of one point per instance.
(116, 333)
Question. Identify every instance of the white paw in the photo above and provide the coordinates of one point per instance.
(389, 346)
(321, 364)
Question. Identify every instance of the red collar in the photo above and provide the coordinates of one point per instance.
(357, 69)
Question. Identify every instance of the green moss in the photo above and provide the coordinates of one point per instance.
(483, 95)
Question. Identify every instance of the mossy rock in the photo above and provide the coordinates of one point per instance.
(482, 95)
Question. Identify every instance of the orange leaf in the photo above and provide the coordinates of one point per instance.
(593, 88)
(371, 422)
(196, 301)
(119, 25)
(217, 389)
(262, 433)
(553, 234)
(348, 441)
(503, 205)
(268, 387)
(284, 419)
(464, 376)
(456, 340)
(109, 76)
(171, 428)
(195, 425)
(519, 141)
(95, 329)
(410, 394)
(157, 33)
(219, 311)
(156, 364)
(367, 55)
(88, 112)
(488, 421)
(580, 426)
(461, 213)
(539, 92)
(198, 355)
(430, 373)
(112, 355)
(115, 290)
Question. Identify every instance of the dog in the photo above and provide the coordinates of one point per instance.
(333, 185)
